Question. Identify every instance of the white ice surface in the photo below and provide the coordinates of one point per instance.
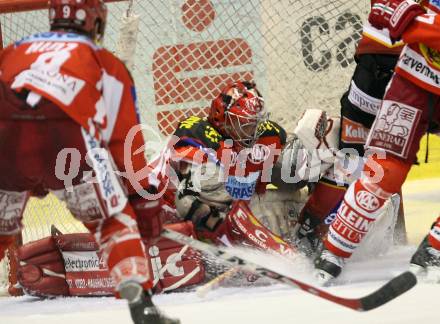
(274, 304)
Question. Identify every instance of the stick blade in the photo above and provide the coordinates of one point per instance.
(392, 289)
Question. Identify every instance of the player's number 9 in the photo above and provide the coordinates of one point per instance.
(66, 12)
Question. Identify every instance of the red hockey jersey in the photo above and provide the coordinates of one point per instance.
(247, 170)
(86, 81)
(420, 58)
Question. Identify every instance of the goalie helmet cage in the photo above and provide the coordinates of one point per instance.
(300, 54)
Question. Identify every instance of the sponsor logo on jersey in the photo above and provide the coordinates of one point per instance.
(190, 122)
(212, 134)
(353, 132)
(258, 153)
(268, 126)
(106, 178)
(435, 232)
(363, 101)
(242, 188)
(58, 37)
(416, 65)
(394, 128)
(60, 86)
(367, 201)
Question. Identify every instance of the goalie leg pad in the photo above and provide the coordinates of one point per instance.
(242, 227)
(63, 264)
(175, 265)
(41, 269)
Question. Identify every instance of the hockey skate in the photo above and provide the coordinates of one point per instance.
(425, 262)
(308, 238)
(141, 306)
(307, 241)
(328, 266)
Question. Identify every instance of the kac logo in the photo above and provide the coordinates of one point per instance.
(367, 200)
(258, 153)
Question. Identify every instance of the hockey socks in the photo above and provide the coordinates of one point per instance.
(361, 206)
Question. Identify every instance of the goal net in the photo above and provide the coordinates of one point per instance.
(300, 54)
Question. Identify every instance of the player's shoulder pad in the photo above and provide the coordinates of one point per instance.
(200, 130)
(271, 128)
(110, 60)
(120, 62)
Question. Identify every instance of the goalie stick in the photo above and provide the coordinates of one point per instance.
(202, 291)
(392, 289)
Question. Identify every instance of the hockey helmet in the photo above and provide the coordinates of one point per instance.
(238, 111)
(83, 16)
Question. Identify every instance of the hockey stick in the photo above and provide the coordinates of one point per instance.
(203, 290)
(392, 289)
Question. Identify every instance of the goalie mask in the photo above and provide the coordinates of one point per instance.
(238, 113)
(83, 16)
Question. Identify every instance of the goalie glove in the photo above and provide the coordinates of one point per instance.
(310, 152)
(395, 15)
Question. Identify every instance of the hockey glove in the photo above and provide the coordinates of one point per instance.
(148, 215)
(395, 15)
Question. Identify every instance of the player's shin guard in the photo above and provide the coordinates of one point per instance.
(121, 247)
(361, 206)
